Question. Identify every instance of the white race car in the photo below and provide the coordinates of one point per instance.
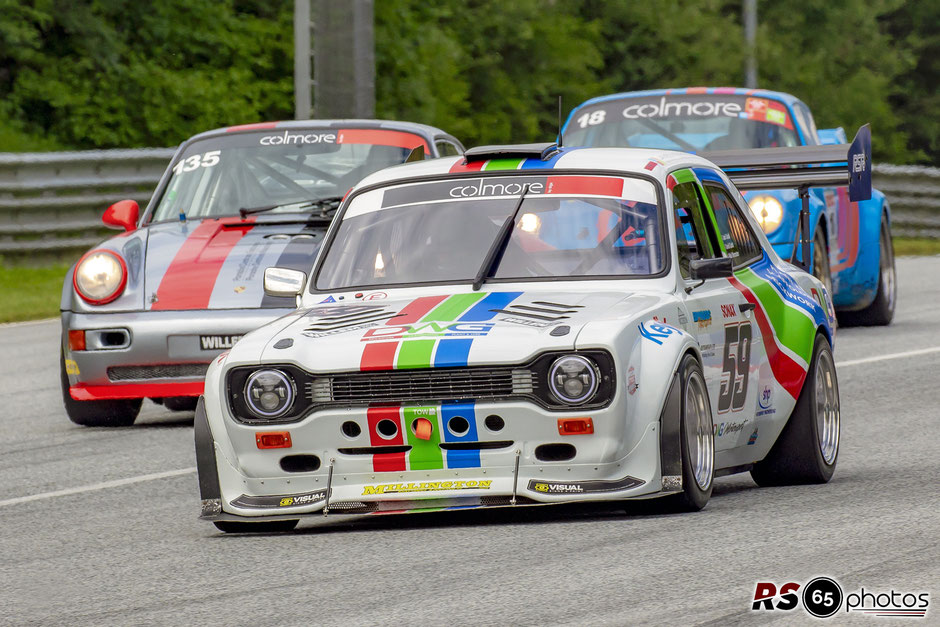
(527, 325)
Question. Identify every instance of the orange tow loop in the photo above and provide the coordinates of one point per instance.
(423, 428)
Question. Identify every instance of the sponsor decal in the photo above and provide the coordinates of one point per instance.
(425, 486)
(657, 332)
(428, 330)
(631, 381)
(682, 108)
(583, 487)
(729, 311)
(71, 367)
(239, 289)
(216, 342)
(297, 138)
(340, 310)
(682, 317)
(528, 323)
(327, 333)
(766, 397)
(752, 438)
(823, 597)
(285, 500)
(727, 428)
(702, 318)
(375, 296)
(328, 299)
(858, 163)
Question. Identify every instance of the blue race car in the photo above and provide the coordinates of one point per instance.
(851, 249)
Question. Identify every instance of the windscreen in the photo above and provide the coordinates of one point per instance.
(687, 122)
(443, 231)
(219, 175)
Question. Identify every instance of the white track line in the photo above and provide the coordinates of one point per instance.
(26, 323)
(868, 360)
(98, 486)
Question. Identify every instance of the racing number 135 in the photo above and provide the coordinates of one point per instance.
(734, 372)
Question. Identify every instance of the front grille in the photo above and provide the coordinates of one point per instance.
(163, 371)
(419, 385)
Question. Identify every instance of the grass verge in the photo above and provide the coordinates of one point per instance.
(916, 246)
(30, 293)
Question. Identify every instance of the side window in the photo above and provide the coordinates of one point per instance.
(691, 234)
(446, 149)
(739, 242)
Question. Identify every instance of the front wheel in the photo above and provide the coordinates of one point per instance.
(808, 446)
(271, 526)
(881, 310)
(107, 413)
(697, 432)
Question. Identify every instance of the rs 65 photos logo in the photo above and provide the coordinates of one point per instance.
(823, 597)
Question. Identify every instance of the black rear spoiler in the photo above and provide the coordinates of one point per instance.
(803, 166)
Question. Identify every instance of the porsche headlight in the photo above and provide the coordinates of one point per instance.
(573, 379)
(269, 393)
(100, 277)
(768, 211)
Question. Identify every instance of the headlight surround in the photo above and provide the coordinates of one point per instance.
(573, 379)
(100, 276)
(768, 211)
(269, 393)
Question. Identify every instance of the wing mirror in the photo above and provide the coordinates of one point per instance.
(122, 214)
(720, 268)
(283, 282)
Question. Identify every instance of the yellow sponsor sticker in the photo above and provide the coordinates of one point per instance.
(541, 487)
(71, 367)
(286, 501)
(425, 486)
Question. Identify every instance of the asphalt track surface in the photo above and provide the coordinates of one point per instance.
(99, 526)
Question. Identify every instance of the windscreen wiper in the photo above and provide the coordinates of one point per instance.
(496, 249)
(322, 203)
(678, 141)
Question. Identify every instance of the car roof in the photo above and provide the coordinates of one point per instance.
(789, 99)
(428, 132)
(646, 161)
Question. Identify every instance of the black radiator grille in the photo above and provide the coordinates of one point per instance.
(416, 385)
(163, 371)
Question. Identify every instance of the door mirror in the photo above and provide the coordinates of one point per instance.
(721, 268)
(122, 214)
(283, 282)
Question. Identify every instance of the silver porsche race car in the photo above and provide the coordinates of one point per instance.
(144, 312)
(530, 325)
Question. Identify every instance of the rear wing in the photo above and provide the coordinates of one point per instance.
(802, 166)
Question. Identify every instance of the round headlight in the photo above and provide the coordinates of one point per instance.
(100, 277)
(768, 211)
(573, 379)
(269, 393)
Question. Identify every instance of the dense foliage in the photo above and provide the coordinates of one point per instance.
(108, 73)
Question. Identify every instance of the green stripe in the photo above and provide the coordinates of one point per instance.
(792, 328)
(684, 176)
(502, 164)
(453, 307)
(415, 354)
(425, 454)
(711, 214)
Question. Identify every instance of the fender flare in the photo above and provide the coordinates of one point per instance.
(670, 420)
(209, 490)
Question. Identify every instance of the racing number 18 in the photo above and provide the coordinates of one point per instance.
(737, 362)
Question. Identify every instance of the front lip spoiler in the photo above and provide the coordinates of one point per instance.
(83, 392)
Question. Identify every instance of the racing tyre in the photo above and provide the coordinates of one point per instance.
(808, 447)
(110, 413)
(180, 403)
(697, 433)
(271, 526)
(821, 259)
(881, 310)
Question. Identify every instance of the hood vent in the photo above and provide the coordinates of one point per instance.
(541, 310)
(334, 323)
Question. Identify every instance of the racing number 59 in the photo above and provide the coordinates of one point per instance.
(734, 372)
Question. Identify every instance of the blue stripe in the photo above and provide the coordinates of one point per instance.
(460, 459)
(538, 164)
(452, 353)
(789, 289)
(707, 174)
(482, 311)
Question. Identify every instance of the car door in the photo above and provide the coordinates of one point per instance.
(713, 315)
(740, 395)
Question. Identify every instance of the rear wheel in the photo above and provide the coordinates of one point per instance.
(808, 448)
(271, 526)
(698, 441)
(881, 310)
(107, 413)
(821, 268)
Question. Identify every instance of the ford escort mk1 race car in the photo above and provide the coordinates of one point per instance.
(144, 312)
(527, 325)
(851, 248)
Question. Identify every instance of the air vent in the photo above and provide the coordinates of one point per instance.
(164, 371)
(352, 320)
(475, 446)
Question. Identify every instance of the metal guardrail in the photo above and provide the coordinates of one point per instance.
(54, 201)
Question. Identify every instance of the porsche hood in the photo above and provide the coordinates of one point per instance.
(436, 331)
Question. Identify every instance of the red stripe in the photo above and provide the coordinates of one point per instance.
(463, 166)
(386, 462)
(189, 280)
(416, 309)
(82, 392)
(378, 137)
(671, 182)
(697, 90)
(381, 355)
(251, 127)
(787, 372)
(598, 185)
